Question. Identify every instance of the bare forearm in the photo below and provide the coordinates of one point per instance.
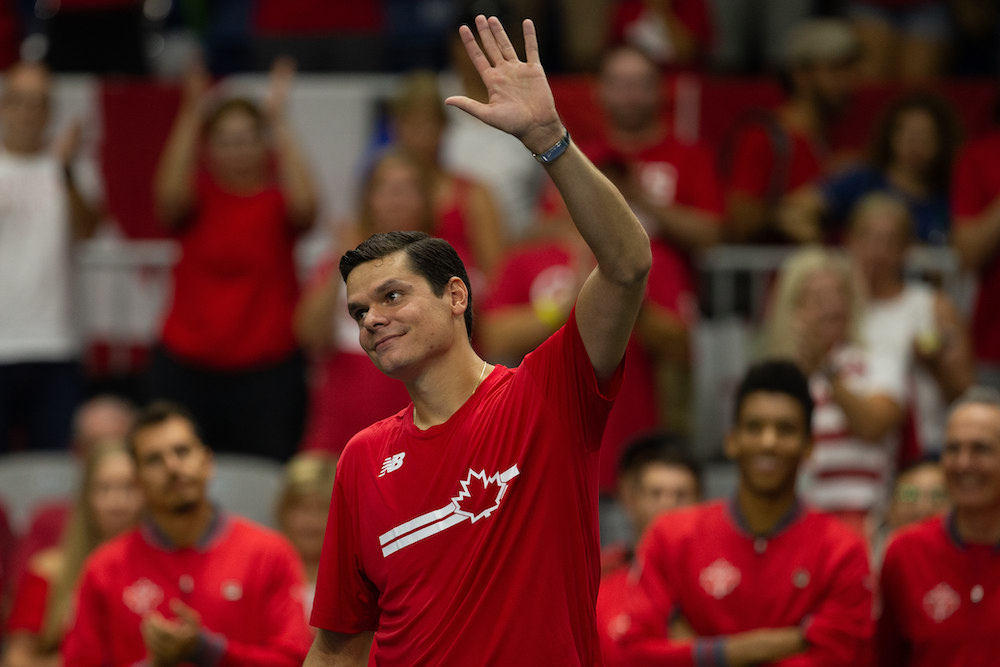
(84, 217)
(510, 334)
(868, 417)
(331, 649)
(173, 185)
(314, 316)
(763, 646)
(977, 241)
(294, 176)
(687, 227)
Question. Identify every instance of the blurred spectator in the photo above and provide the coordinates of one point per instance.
(901, 39)
(758, 578)
(749, 34)
(940, 577)
(302, 510)
(656, 474)
(676, 34)
(975, 207)
(816, 320)
(465, 213)
(94, 36)
(42, 212)
(532, 297)
(192, 584)
(108, 503)
(911, 318)
(918, 493)
(227, 350)
(670, 185)
(515, 183)
(103, 417)
(771, 153)
(322, 36)
(347, 392)
(911, 157)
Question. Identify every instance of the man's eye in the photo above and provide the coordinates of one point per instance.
(359, 315)
(392, 296)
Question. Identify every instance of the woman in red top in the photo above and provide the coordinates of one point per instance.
(236, 201)
(108, 503)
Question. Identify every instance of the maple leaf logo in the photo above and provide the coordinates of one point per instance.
(480, 495)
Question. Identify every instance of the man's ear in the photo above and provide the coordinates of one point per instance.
(458, 294)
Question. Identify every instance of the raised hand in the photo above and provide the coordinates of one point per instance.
(520, 100)
(280, 87)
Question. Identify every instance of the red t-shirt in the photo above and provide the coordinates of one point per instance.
(244, 580)
(612, 615)
(704, 564)
(626, 23)
(27, 611)
(235, 285)
(283, 17)
(635, 410)
(975, 186)
(755, 160)
(453, 224)
(940, 599)
(476, 541)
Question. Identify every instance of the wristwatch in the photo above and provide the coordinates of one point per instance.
(554, 152)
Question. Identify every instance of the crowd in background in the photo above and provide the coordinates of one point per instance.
(270, 367)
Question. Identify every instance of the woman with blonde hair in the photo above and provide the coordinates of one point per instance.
(815, 320)
(302, 511)
(108, 503)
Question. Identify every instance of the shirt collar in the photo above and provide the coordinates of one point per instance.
(951, 528)
(784, 522)
(216, 526)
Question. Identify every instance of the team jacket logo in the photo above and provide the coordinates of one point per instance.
(719, 579)
(142, 597)
(941, 602)
(391, 463)
(478, 497)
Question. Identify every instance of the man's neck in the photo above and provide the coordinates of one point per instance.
(763, 514)
(185, 529)
(440, 391)
(980, 526)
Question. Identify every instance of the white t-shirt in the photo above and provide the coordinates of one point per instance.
(844, 472)
(892, 326)
(36, 320)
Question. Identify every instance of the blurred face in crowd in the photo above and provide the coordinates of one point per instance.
(173, 466)
(919, 493)
(629, 88)
(115, 500)
(767, 443)
(877, 242)
(236, 148)
(658, 487)
(101, 419)
(397, 197)
(24, 108)
(828, 85)
(971, 457)
(915, 141)
(303, 520)
(824, 304)
(419, 130)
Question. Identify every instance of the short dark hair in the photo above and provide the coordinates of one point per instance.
(779, 376)
(433, 258)
(155, 414)
(242, 105)
(661, 447)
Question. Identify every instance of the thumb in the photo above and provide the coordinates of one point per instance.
(468, 105)
(185, 613)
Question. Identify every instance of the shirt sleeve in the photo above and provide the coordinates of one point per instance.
(27, 612)
(752, 162)
(289, 640)
(840, 631)
(891, 646)
(650, 607)
(87, 639)
(346, 600)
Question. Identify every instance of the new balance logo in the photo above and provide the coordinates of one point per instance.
(394, 462)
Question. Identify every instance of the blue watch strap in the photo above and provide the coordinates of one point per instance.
(554, 152)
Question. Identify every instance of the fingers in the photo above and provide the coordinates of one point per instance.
(479, 60)
(185, 613)
(530, 42)
(488, 39)
(502, 40)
